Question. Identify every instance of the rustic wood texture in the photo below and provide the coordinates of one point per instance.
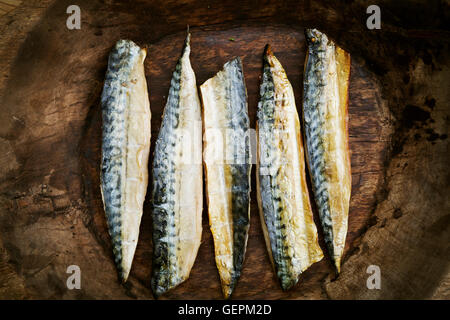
(7, 6)
(51, 214)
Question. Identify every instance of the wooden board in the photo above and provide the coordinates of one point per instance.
(52, 216)
(210, 49)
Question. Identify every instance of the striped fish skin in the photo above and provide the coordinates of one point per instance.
(177, 196)
(325, 118)
(283, 199)
(125, 149)
(225, 113)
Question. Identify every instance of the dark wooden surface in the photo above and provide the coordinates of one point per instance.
(51, 213)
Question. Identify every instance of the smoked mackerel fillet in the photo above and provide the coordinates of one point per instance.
(125, 148)
(325, 119)
(227, 162)
(177, 197)
(283, 199)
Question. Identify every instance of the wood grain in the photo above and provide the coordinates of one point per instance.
(50, 83)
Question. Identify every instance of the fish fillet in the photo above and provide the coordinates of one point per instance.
(325, 118)
(177, 196)
(285, 210)
(125, 148)
(227, 169)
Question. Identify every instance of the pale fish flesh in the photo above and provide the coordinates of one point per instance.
(125, 149)
(177, 196)
(227, 162)
(325, 119)
(286, 214)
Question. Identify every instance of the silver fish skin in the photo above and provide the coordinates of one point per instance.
(283, 198)
(325, 120)
(125, 149)
(227, 161)
(177, 197)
